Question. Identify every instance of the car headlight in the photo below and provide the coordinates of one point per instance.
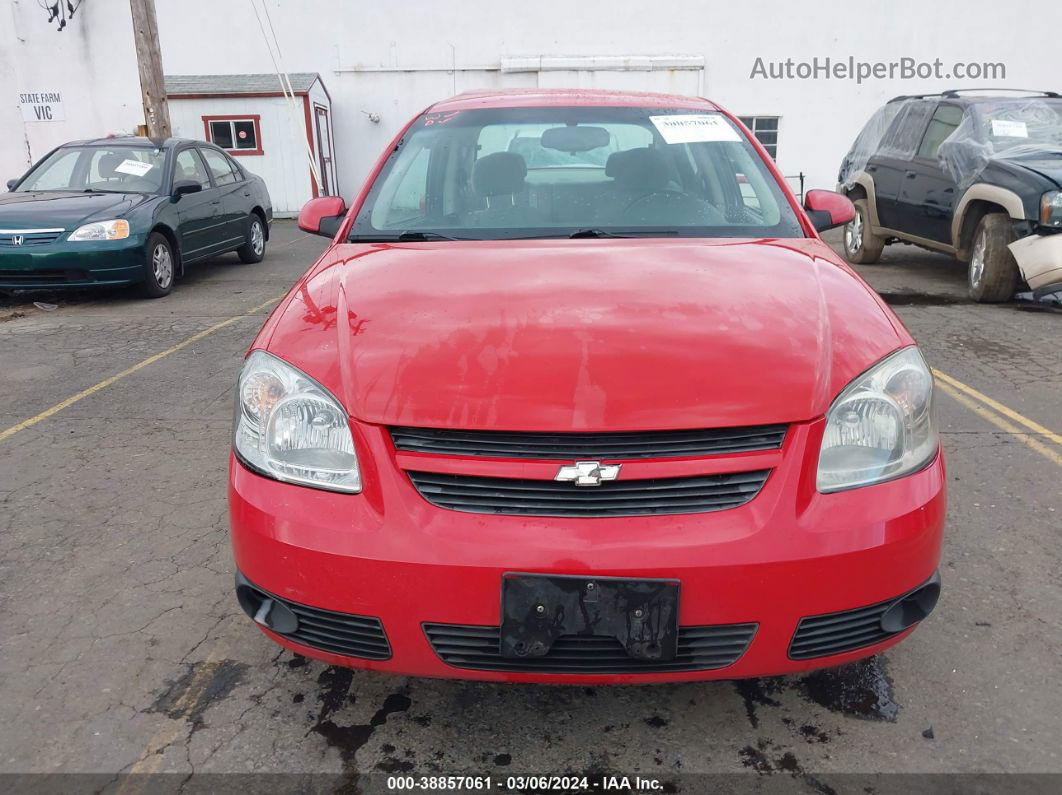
(1051, 208)
(118, 229)
(881, 426)
(290, 428)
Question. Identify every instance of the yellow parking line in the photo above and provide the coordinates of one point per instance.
(995, 404)
(1022, 436)
(106, 382)
(151, 757)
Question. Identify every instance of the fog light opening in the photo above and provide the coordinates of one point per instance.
(910, 609)
(267, 611)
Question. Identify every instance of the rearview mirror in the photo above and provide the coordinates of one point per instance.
(11, 183)
(827, 209)
(185, 186)
(322, 216)
(575, 139)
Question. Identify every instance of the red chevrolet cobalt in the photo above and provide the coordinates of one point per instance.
(578, 395)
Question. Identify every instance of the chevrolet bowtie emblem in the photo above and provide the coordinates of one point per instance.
(588, 473)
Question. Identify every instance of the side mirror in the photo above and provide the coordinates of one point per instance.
(185, 186)
(827, 209)
(11, 183)
(322, 216)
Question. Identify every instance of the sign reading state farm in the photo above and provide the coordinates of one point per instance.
(42, 106)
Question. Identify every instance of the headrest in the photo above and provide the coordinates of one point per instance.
(642, 169)
(499, 174)
(109, 162)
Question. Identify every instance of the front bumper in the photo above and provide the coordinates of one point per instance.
(387, 555)
(65, 264)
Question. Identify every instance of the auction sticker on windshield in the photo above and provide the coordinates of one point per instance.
(136, 168)
(1004, 128)
(694, 128)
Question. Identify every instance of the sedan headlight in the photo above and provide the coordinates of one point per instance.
(290, 428)
(118, 229)
(1051, 208)
(881, 426)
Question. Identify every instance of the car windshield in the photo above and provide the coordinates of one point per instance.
(506, 173)
(111, 169)
(1033, 123)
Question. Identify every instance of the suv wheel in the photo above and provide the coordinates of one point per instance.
(861, 245)
(993, 270)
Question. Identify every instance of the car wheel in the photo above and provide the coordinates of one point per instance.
(253, 250)
(160, 268)
(861, 245)
(993, 270)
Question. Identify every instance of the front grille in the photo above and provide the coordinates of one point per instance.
(7, 238)
(608, 446)
(836, 633)
(698, 494)
(699, 649)
(339, 633)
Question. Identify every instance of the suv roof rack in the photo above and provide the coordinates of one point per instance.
(958, 93)
(955, 93)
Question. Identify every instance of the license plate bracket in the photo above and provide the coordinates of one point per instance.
(642, 614)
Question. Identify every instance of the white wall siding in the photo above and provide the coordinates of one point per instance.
(92, 63)
(283, 165)
(821, 117)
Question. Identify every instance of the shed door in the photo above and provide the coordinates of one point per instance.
(324, 151)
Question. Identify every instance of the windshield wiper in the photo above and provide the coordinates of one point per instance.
(409, 236)
(578, 233)
(583, 233)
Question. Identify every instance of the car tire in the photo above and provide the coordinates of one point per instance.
(861, 245)
(993, 272)
(160, 268)
(253, 249)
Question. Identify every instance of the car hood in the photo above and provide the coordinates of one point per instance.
(584, 334)
(54, 209)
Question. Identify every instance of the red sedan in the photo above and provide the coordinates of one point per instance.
(577, 394)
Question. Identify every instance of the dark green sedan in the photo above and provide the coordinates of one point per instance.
(128, 211)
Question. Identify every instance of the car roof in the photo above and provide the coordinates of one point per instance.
(566, 97)
(136, 140)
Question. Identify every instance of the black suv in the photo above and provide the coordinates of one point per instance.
(976, 176)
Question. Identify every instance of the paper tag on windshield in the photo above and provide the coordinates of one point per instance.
(694, 128)
(137, 168)
(1001, 128)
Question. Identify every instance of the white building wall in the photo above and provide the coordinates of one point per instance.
(416, 39)
(283, 164)
(92, 63)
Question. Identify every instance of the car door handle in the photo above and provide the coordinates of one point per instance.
(216, 201)
(872, 169)
(246, 193)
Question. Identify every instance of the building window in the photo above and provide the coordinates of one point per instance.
(765, 128)
(237, 135)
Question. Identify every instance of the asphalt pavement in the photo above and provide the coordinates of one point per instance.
(122, 649)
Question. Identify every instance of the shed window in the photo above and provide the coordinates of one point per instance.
(236, 135)
(765, 128)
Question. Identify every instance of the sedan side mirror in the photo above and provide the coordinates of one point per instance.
(11, 183)
(185, 186)
(323, 216)
(827, 209)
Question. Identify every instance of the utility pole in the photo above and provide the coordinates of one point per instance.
(149, 63)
